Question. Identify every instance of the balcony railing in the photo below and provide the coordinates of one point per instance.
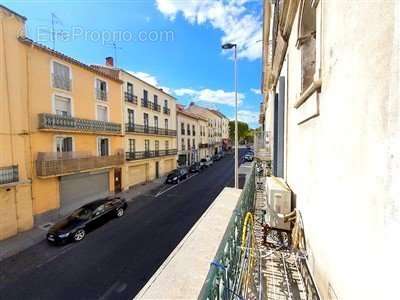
(9, 174)
(151, 105)
(149, 129)
(226, 266)
(203, 146)
(101, 95)
(60, 82)
(166, 110)
(56, 122)
(149, 154)
(55, 163)
(131, 98)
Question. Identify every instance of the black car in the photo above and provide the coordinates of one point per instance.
(195, 168)
(177, 175)
(75, 226)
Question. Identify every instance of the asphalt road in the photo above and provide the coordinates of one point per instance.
(117, 259)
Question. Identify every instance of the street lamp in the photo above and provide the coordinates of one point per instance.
(226, 47)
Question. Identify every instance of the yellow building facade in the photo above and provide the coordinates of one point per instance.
(192, 139)
(149, 115)
(61, 130)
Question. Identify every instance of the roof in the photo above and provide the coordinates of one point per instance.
(180, 109)
(218, 113)
(13, 12)
(29, 42)
(130, 74)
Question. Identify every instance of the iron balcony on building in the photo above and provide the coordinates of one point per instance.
(129, 127)
(151, 105)
(136, 155)
(131, 98)
(66, 123)
(9, 174)
(60, 82)
(56, 163)
(166, 110)
(101, 95)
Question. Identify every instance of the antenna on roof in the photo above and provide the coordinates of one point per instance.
(115, 46)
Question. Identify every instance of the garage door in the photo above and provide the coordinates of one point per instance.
(137, 174)
(168, 165)
(77, 190)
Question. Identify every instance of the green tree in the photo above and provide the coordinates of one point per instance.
(244, 132)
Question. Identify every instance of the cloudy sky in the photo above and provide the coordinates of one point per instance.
(174, 44)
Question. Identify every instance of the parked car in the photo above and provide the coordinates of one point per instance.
(177, 175)
(90, 216)
(195, 168)
(249, 156)
(206, 162)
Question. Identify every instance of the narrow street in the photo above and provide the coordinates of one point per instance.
(117, 259)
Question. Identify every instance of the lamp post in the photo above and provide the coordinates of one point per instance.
(225, 47)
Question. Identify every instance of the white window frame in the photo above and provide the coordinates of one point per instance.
(53, 102)
(101, 103)
(95, 89)
(52, 72)
(98, 141)
(63, 136)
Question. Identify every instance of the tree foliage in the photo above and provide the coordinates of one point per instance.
(244, 132)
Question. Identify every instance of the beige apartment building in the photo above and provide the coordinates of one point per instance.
(218, 127)
(192, 131)
(149, 115)
(331, 75)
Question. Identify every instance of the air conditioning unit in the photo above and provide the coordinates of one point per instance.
(278, 203)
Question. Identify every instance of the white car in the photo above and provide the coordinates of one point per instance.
(206, 162)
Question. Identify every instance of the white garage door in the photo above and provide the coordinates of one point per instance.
(77, 190)
(137, 174)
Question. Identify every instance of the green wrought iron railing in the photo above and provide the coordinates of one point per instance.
(225, 268)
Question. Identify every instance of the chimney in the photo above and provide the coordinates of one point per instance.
(109, 61)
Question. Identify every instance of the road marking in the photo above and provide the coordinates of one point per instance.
(174, 186)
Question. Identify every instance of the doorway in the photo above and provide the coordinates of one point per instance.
(157, 169)
(117, 180)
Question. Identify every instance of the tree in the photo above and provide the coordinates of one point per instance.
(244, 132)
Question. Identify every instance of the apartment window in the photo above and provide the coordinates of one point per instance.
(188, 129)
(102, 113)
(183, 144)
(147, 145)
(132, 145)
(306, 42)
(103, 146)
(166, 103)
(155, 100)
(62, 106)
(61, 76)
(145, 95)
(129, 88)
(166, 145)
(194, 144)
(166, 123)
(131, 117)
(63, 144)
(193, 130)
(101, 90)
(146, 120)
(183, 128)
(156, 122)
(156, 146)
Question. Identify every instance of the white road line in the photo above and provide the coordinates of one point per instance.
(175, 185)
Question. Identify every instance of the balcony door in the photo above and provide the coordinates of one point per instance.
(145, 96)
(156, 123)
(129, 88)
(156, 147)
(62, 106)
(63, 144)
(147, 148)
(103, 146)
(131, 117)
(146, 122)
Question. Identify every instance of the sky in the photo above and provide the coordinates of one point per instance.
(173, 44)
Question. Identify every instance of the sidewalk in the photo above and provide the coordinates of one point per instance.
(24, 240)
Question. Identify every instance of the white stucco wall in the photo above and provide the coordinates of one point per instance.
(343, 165)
